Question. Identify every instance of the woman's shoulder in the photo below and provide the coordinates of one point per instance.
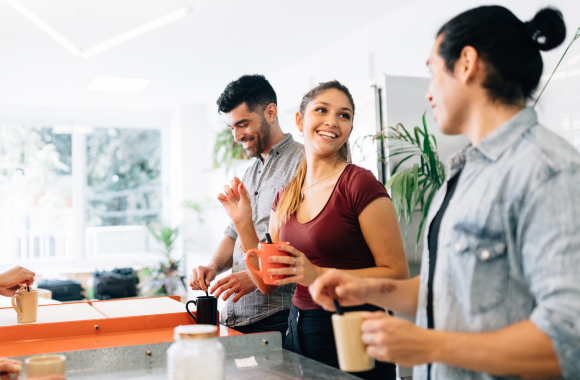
(360, 183)
(356, 174)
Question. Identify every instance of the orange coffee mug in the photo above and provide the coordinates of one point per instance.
(264, 252)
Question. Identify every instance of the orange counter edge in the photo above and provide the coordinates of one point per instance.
(43, 338)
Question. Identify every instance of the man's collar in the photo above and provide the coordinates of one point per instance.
(282, 144)
(498, 141)
(279, 146)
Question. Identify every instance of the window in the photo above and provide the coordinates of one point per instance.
(123, 176)
(69, 194)
(35, 193)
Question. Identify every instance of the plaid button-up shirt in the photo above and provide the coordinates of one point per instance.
(263, 181)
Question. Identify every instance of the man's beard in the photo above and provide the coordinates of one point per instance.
(262, 139)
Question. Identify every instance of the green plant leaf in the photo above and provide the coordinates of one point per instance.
(403, 160)
(417, 131)
(391, 180)
(421, 194)
(416, 179)
(434, 140)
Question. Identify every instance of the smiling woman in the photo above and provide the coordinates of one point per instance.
(334, 214)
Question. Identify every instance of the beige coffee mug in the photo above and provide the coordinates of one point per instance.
(44, 365)
(352, 355)
(26, 305)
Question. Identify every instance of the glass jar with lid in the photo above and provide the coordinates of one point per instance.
(196, 354)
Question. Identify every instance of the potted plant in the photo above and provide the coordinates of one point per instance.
(417, 185)
(165, 278)
(226, 150)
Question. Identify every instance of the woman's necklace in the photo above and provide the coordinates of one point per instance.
(315, 183)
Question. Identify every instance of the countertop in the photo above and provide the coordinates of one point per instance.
(149, 361)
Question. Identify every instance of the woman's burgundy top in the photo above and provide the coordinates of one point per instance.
(334, 239)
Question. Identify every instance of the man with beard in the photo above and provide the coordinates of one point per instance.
(251, 111)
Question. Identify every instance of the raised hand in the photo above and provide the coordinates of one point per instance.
(236, 201)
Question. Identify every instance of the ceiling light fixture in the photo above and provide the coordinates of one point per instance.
(106, 45)
(118, 84)
(45, 27)
(173, 16)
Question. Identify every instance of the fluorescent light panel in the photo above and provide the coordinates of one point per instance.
(99, 48)
(135, 32)
(118, 84)
(45, 27)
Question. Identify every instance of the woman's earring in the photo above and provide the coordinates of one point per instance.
(301, 134)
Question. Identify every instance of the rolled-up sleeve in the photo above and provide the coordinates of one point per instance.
(231, 232)
(549, 237)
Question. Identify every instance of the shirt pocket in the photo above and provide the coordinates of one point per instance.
(484, 256)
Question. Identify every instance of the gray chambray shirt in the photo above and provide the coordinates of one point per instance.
(263, 181)
(509, 243)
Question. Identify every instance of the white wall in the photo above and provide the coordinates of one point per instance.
(559, 106)
(399, 44)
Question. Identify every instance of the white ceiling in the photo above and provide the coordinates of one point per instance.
(188, 61)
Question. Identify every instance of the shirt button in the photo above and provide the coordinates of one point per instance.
(259, 171)
(277, 152)
(485, 254)
(457, 247)
(256, 193)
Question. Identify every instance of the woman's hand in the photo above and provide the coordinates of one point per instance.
(14, 279)
(9, 369)
(346, 289)
(300, 271)
(236, 201)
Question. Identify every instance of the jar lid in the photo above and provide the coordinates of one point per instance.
(195, 332)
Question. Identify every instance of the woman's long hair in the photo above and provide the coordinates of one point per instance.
(289, 202)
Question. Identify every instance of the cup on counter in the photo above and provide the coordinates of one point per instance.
(26, 305)
(264, 252)
(44, 365)
(352, 355)
(206, 308)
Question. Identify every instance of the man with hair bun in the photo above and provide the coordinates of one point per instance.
(250, 107)
(498, 295)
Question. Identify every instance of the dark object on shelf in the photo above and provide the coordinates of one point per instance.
(63, 290)
(118, 283)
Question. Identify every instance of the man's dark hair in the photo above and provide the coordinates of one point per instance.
(509, 47)
(254, 90)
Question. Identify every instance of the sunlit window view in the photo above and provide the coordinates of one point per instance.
(36, 194)
(298, 189)
(123, 177)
